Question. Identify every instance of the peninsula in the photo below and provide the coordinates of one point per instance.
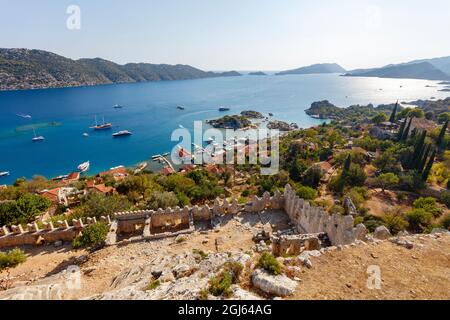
(37, 69)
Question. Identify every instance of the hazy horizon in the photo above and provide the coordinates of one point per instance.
(231, 35)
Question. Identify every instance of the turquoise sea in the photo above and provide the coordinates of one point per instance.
(63, 115)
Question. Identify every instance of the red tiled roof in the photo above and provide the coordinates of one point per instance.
(73, 176)
(51, 195)
(114, 172)
(211, 168)
(102, 188)
(167, 171)
(325, 166)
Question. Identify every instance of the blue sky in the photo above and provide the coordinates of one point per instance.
(232, 34)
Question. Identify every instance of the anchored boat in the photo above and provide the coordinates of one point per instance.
(37, 138)
(4, 174)
(122, 133)
(102, 126)
(84, 166)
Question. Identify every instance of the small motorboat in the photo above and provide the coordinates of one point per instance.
(141, 167)
(59, 178)
(122, 133)
(210, 140)
(181, 108)
(271, 114)
(223, 109)
(118, 106)
(84, 166)
(37, 138)
(86, 134)
(4, 174)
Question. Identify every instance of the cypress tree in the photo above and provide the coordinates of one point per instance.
(426, 172)
(394, 113)
(347, 164)
(424, 159)
(413, 133)
(406, 132)
(441, 136)
(419, 150)
(401, 130)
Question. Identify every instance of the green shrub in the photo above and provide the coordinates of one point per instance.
(201, 253)
(220, 284)
(446, 222)
(306, 193)
(153, 285)
(445, 197)
(245, 193)
(395, 223)
(419, 219)
(429, 205)
(93, 235)
(269, 263)
(11, 259)
(337, 209)
(203, 294)
(372, 222)
(235, 269)
(358, 220)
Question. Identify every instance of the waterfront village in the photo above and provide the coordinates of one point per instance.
(369, 187)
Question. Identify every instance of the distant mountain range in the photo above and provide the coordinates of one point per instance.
(33, 69)
(429, 69)
(315, 68)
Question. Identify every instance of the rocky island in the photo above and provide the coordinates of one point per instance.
(230, 122)
(252, 114)
(258, 73)
(281, 125)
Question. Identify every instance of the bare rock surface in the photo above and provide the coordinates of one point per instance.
(278, 285)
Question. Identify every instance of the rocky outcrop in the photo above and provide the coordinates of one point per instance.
(382, 233)
(278, 285)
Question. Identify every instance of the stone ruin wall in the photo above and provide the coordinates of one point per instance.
(16, 235)
(305, 218)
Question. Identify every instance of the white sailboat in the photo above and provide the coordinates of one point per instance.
(4, 174)
(84, 166)
(37, 138)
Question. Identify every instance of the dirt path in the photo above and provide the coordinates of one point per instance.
(420, 273)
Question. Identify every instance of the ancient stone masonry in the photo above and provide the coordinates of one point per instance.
(33, 235)
(293, 245)
(149, 224)
(308, 219)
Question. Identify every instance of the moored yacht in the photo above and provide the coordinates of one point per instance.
(4, 174)
(37, 138)
(103, 126)
(84, 166)
(122, 133)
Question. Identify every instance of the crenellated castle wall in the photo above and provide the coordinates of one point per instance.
(171, 222)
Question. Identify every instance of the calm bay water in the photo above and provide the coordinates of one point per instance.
(150, 113)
